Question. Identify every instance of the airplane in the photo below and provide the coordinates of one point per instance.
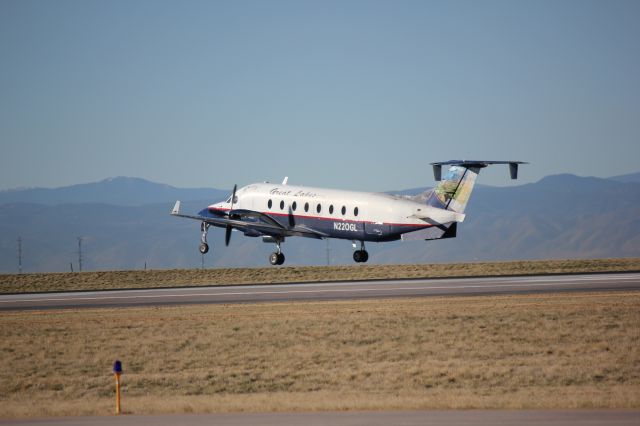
(275, 212)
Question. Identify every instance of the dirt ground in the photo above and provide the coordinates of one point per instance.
(576, 350)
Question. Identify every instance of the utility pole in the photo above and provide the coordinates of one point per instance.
(79, 254)
(19, 255)
(328, 252)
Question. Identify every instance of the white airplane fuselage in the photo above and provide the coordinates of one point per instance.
(351, 215)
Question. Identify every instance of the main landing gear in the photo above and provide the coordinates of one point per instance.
(204, 247)
(360, 256)
(277, 257)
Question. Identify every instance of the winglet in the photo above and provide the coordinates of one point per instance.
(176, 208)
(284, 182)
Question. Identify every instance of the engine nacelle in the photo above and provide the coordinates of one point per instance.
(251, 233)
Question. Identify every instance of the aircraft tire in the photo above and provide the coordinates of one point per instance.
(273, 258)
(365, 256)
(280, 258)
(357, 256)
(204, 248)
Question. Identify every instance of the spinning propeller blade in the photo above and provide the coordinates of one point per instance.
(227, 235)
(292, 221)
(233, 197)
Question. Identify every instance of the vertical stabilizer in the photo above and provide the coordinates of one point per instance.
(454, 189)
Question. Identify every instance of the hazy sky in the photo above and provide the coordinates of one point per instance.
(353, 94)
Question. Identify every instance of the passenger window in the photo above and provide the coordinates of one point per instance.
(319, 208)
(269, 204)
(331, 209)
(294, 206)
(355, 211)
(344, 210)
(306, 207)
(281, 205)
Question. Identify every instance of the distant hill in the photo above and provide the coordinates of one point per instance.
(561, 216)
(633, 177)
(121, 191)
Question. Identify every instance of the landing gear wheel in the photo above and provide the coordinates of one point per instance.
(276, 258)
(204, 248)
(360, 256)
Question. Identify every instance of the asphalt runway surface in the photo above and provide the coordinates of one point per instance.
(324, 291)
(368, 418)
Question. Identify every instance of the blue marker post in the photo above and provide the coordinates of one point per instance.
(117, 370)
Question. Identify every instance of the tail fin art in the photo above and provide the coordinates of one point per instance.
(454, 190)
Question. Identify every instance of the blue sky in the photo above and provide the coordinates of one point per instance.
(352, 94)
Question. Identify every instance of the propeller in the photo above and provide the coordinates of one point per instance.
(292, 221)
(227, 235)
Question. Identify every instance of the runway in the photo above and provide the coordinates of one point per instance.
(323, 291)
(369, 418)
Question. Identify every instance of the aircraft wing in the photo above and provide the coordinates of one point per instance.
(294, 230)
(252, 214)
(259, 222)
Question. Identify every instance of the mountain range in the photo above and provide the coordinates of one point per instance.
(120, 191)
(125, 224)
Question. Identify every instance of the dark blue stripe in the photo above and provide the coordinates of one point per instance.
(338, 228)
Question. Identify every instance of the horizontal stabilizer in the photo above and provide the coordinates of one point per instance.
(474, 164)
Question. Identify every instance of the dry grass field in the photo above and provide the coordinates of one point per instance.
(576, 350)
(21, 283)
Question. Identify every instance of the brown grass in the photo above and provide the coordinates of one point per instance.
(526, 351)
(20, 283)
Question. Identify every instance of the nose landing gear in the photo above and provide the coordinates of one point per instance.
(204, 247)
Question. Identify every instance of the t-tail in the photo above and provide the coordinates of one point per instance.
(453, 192)
(454, 188)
